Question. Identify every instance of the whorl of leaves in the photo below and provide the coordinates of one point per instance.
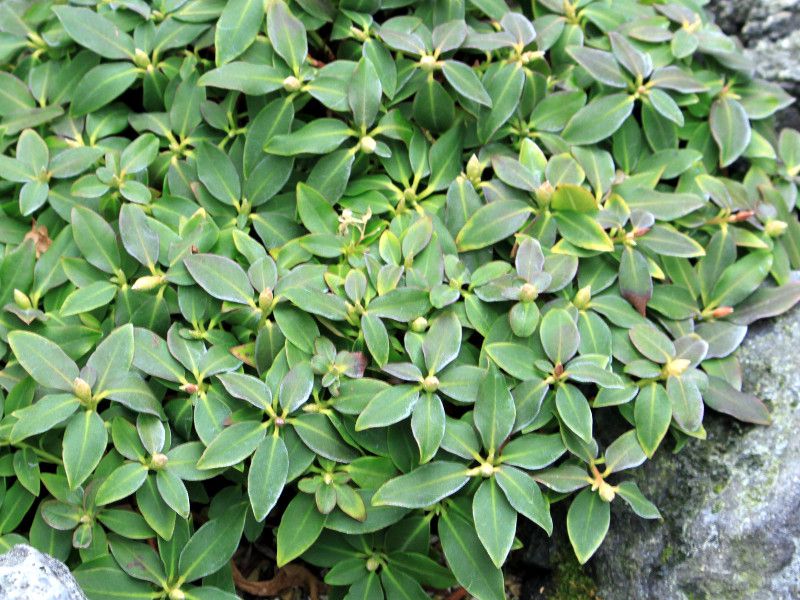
(363, 281)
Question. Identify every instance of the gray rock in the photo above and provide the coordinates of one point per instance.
(27, 574)
(770, 33)
(730, 504)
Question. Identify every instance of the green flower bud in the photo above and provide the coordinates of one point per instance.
(148, 282)
(775, 228)
(582, 298)
(292, 84)
(368, 144)
(430, 383)
(528, 293)
(419, 324)
(427, 63)
(21, 299)
(81, 389)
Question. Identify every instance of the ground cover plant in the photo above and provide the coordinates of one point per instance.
(352, 287)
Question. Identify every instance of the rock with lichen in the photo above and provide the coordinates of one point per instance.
(770, 33)
(730, 503)
(27, 574)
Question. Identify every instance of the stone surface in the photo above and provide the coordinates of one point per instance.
(770, 32)
(730, 504)
(27, 574)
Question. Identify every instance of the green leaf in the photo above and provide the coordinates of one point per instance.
(652, 413)
(428, 425)
(504, 86)
(465, 82)
(598, 120)
(102, 85)
(364, 93)
(559, 335)
(218, 174)
(740, 279)
(300, 526)
(173, 492)
(138, 237)
(652, 343)
(94, 295)
(233, 445)
(525, 496)
(587, 524)
(601, 65)
(574, 410)
(401, 304)
(492, 223)
(495, 520)
(635, 283)
(533, 451)
(583, 231)
(287, 34)
(237, 28)
(494, 410)
(318, 137)
(43, 415)
(315, 211)
(467, 558)
(95, 239)
(249, 78)
(44, 360)
(220, 277)
(212, 546)
(630, 493)
(376, 337)
(730, 128)
(722, 397)
(267, 475)
(424, 486)
(319, 434)
(85, 441)
(388, 407)
(442, 342)
(121, 483)
(95, 32)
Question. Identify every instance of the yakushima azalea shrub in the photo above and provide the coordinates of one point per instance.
(361, 283)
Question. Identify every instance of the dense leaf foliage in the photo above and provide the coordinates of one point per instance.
(366, 281)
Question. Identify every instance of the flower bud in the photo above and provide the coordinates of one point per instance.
(775, 228)
(327, 478)
(430, 383)
(372, 564)
(722, 312)
(487, 469)
(21, 299)
(606, 491)
(265, 298)
(159, 460)
(528, 293)
(140, 59)
(742, 215)
(474, 169)
(148, 282)
(368, 144)
(583, 297)
(419, 324)
(189, 388)
(81, 389)
(291, 83)
(177, 594)
(676, 367)
(427, 63)
(544, 192)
